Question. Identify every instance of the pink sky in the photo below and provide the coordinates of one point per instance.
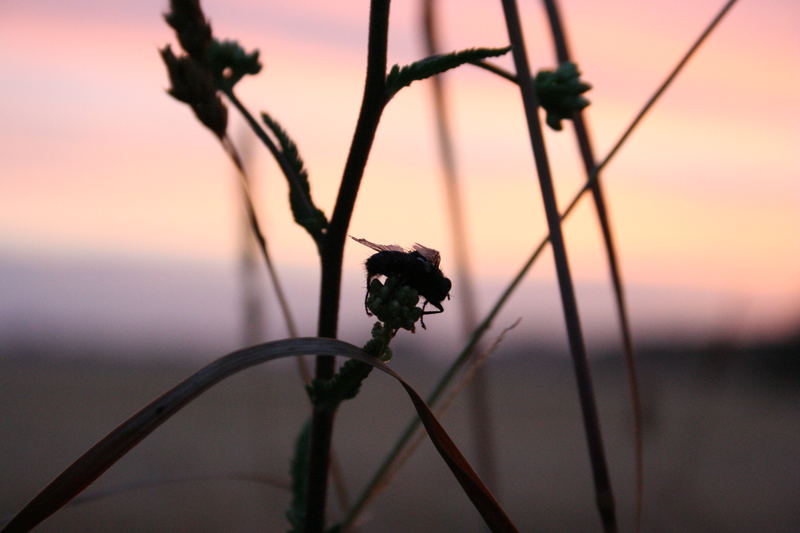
(96, 160)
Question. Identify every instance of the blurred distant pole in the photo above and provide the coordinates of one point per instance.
(479, 409)
(252, 304)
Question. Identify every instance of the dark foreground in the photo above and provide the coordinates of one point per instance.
(722, 434)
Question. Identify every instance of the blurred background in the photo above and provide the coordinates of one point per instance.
(121, 243)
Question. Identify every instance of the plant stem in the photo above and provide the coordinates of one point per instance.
(589, 164)
(332, 252)
(388, 462)
(478, 395)
(603, 492)
(494, 69)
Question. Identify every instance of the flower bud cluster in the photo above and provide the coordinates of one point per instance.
(560, 93)
(394, 303)
(193, 85)
(208, 66)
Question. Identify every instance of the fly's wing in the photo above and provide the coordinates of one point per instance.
(428, 253)
(380, 247)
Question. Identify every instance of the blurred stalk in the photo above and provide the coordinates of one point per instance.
(259, 235)
(589, 164)
(478, 396)
(602, 482)
(253, 320)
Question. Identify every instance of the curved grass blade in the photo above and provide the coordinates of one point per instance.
(261, 480)
(117, 443)
(405, 447)
(400, 77)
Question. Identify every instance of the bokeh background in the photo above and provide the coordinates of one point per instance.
(121, 235)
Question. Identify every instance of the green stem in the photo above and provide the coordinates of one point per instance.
(332, 252)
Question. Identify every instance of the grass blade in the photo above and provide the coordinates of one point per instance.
(405, 447)
(117, 443)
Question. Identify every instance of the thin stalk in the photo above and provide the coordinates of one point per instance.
(251, 299)
(478, 397)
(602, 482)
(672, 75)
(263, 136)
(494, 69)
(259, 236)
(487, 322)
(589, 164)
(332, 253)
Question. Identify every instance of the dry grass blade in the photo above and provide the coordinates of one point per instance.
(667, 82)
(116, 444)
(110, 492)
(397, 461)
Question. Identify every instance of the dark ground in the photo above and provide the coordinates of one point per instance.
(722, 435)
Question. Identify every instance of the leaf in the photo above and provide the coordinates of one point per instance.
(400, 77)
(116, 444)
(306, 214)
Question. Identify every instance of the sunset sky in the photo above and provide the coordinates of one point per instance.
(99, 166)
